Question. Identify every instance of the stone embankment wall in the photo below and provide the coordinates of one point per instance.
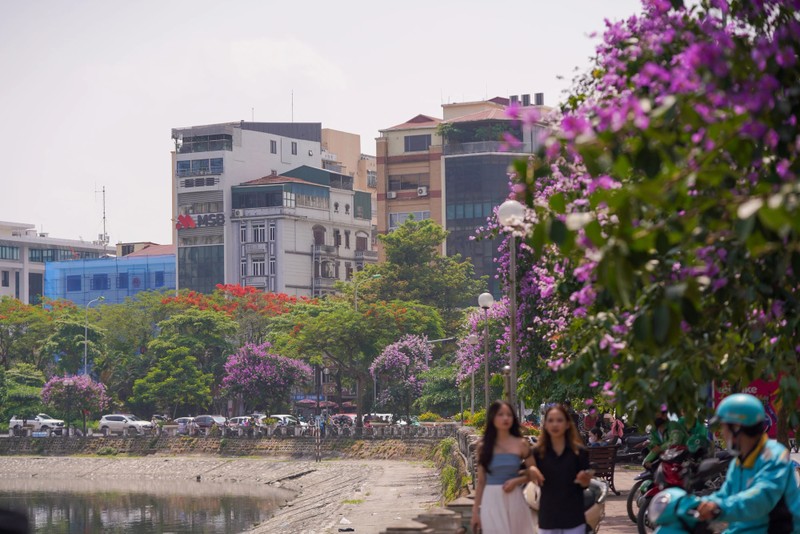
(417, 448)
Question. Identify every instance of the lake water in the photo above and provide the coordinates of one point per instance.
(121, 512)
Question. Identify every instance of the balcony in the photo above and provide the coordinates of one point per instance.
(324, 283)
(480, 147)
(366, 255)
(255, 248)
(324, 249)
(256, 281)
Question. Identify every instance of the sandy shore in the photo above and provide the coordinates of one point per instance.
(313, 498)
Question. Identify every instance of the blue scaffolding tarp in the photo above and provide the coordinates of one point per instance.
(81, 281)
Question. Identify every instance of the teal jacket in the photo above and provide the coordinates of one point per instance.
(755, 486)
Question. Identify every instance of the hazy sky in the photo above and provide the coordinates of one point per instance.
(90, 89)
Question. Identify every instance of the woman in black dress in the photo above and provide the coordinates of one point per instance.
(562, 470)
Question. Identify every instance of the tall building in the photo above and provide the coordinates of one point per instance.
(227, 237)
(453, 170)
(24, 253)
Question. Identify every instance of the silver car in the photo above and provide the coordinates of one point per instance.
(121, 422)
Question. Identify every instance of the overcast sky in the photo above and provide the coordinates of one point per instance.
(90, 89)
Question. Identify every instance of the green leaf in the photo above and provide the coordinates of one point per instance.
(689, 311)
(774, 219)
(558, 231)
(595, 233)
(744, 227)
(557, 203)
(660, 323)
(641, 328)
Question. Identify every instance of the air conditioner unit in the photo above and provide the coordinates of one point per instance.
(238, 213)
(422, 191)
(391, 194)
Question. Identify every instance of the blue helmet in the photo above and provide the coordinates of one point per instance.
(740, 409)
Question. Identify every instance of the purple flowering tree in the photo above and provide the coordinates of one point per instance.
(75, 395)
(263, 379)
(398, 368)
(665, 208)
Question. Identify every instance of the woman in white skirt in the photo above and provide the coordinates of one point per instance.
(500, 507)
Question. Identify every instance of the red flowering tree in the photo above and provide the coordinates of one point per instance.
(72, 395)
(263, 379)
(399, 367)
(667, 206)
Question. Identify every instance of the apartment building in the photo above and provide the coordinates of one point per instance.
(453, 170)
(237, 222)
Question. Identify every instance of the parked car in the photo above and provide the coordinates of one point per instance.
(184, 424)
(205, 422)
(124, 421)
(288, 420)
(39, 423)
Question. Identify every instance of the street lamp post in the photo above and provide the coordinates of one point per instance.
(355, 290)
(512, 213)
(474, 341)
(507, 383)
(68, 383)
(486, 301)
(86, 334)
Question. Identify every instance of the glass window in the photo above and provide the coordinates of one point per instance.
(159, 278)
(417, 143)
(201, 268)
(272, 232)
(216, 166)
(273, 147)
(9, 253)
(469, 211)
(259, 233)
(6, 279)
(200, 166)
(122, 281)
(99, 282)
(243, 233)
(258, 266)
(347, 239)
(243, 268)
(184, 168)
(273, 267)
(294, 148)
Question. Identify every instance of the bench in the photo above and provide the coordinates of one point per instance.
(603, 460)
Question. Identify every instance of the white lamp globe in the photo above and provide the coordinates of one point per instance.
(485, 300)
(510, 213)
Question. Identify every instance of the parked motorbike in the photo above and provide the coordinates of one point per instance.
(594, 502)
(678, 470)
(673, 511)
(633, 447)
(641, 485)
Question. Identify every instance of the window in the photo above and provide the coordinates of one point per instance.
(272, 231)
(347, 209)
(273, 147)
(372, 179)
(273, 267)
(417, 143)
(243, 268)
(259, 233)
(294, 148)
(258, 266)
(100, 282)
(347, 239)
(348, 270)
(243, 233)
(337, 238)
(401, 182)
(6, 277)
(122, 281)
(205, 143)
(216, 165)
(397, 219)
(184, 168)
(361, 242)
(159, 278)
(9, 253)
(335, 207)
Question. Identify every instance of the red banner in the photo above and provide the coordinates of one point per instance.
(766, 391)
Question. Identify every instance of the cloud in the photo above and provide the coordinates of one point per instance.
(255, 58)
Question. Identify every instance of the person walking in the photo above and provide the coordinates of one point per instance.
(561, 469)
(499, 506)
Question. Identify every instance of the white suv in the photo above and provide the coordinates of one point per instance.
(120, 422)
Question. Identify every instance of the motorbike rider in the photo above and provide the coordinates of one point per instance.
(761, 492)
(659, 439)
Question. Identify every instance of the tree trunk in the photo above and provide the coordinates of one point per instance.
(360, 383)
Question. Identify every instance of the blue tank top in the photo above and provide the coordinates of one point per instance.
(504, 466)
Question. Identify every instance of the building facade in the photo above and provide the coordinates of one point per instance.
(24, 253)
(300, 232)
(209, 161)
(453, 170)
(114, 279)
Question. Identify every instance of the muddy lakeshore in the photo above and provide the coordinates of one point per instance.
(304, 496)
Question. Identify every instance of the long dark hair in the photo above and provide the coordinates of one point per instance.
(486, 450)
(571, 436)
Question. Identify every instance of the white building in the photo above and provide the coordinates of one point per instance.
(207, 163)
(23, 253)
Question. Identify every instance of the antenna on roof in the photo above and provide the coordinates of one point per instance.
(292, 105)
(253, 114)
(104, 236)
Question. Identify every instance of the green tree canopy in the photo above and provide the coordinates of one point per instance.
(175, 382)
